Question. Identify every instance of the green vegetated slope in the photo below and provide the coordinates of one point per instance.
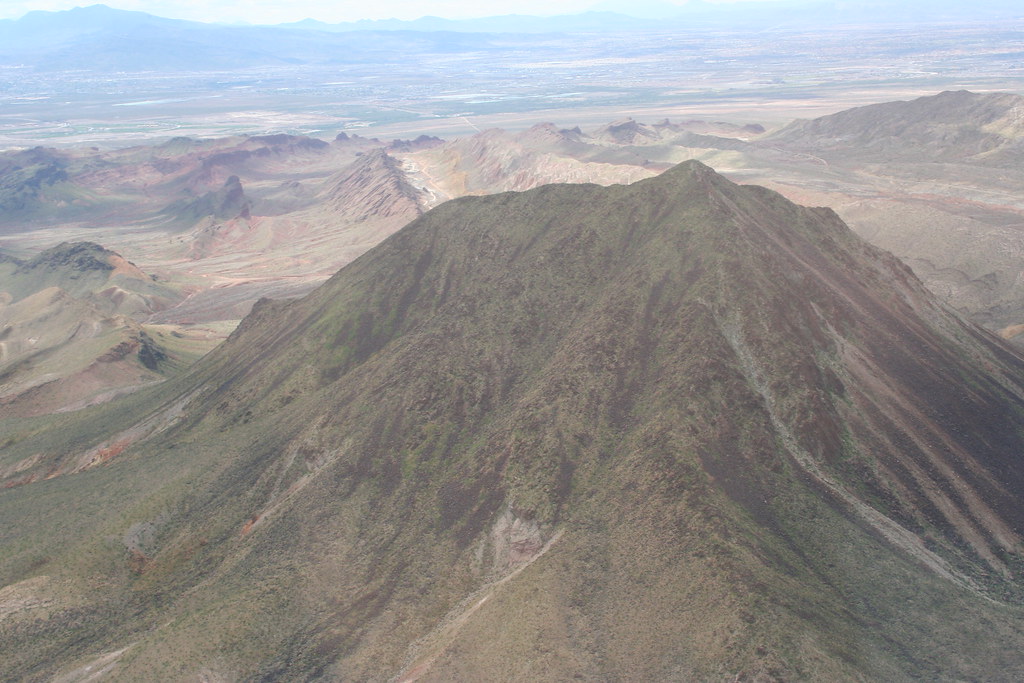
(680, 429)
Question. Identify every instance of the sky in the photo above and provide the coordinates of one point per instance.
(333, 11)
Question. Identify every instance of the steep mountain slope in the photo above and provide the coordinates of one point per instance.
(934, 180)
(372, 187)
(681, 429)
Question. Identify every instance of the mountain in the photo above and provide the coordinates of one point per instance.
(180, 181)
(69, 333)
(496, 161)
(87, 270)
(652, 15)
(680, 429)
(624, 151)
(226, 220)
(100, 39)
(951, 126)
(936, 180)
(33, 181)
(62, 353)
(225, 203)
(351, 210)
(117, 41)
(373, 186)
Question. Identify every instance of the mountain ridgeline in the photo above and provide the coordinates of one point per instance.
(953, 126)
(676, 430)
(118, 40)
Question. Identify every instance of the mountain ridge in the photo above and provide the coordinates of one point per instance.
(119, 40)
(949, 126)
(603, 17)
(956, 208)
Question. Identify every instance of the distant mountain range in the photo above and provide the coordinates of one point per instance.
(102, 39)
(99, 38)
(619, 16)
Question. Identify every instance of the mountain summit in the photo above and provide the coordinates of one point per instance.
(681, 429)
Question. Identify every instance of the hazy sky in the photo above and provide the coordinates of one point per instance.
(277, 11)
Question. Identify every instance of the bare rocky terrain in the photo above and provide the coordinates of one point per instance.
(69, 330)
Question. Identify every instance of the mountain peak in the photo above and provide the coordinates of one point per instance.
(92, 17)
(373, 185)
(78, 256)
(692, 169)
(75, 266)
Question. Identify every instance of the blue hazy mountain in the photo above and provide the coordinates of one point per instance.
(102, 39)
(99, 38)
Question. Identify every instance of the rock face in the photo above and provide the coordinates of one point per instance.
(225, 204)
(677, 430)
(373, 186)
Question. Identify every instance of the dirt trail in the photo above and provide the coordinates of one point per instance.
(95, 670)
